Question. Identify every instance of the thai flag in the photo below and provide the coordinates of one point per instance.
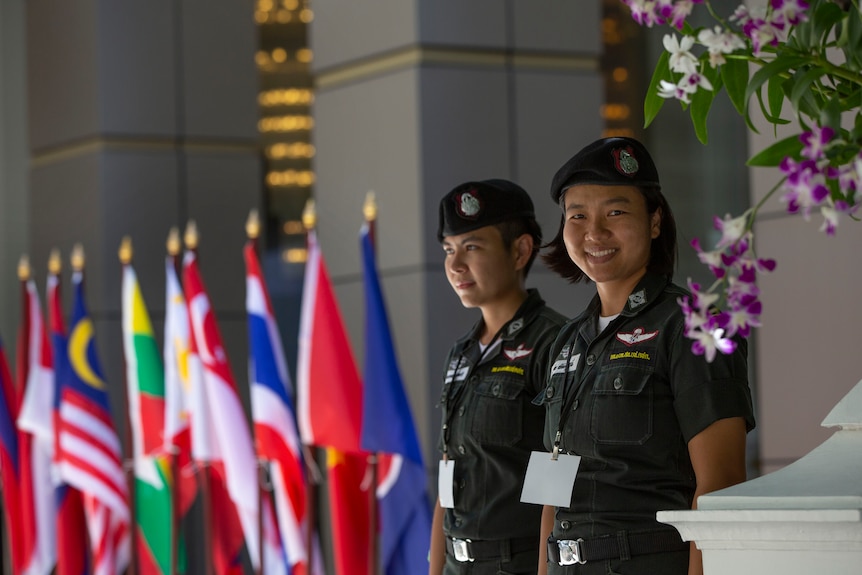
(403, 504)
(274, 416)
(220, 431)
(10, 465)
(38, 507)
(88, 447)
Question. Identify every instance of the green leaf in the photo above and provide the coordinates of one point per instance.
(775, 96)
(801, 82)
(830, 115)
(854, 32)
(772, 69)
(653, 102)
(825, 17)
(701, 102)
(772, 156)
(734, 73)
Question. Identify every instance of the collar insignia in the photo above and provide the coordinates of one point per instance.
(516, 325)
(637, 299)
(639, 335)
(517, 353)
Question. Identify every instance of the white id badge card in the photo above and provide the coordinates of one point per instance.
(549, 481)
(445, 481)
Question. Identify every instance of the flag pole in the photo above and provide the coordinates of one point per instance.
(173, 247)
(309, 221)
(369, 211)
(125, 254)
(191, 240)
(252, 230)
(22, 354)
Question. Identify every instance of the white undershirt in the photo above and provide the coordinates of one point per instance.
(605, 321)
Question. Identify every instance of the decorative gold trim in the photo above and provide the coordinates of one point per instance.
(412, 57)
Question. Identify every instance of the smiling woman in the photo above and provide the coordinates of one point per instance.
(645, 423)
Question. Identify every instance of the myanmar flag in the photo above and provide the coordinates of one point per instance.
(145, 377)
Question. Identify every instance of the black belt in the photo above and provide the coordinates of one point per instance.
(621, 545)
(469, 550)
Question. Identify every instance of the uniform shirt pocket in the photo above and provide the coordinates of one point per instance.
(498, 410)
(622, 411)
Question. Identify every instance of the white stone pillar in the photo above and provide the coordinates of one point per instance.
(804, 518)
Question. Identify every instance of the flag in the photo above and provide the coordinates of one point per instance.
(10, 465)
(73, 557)
(349, 508)
(403, 504)
(274, 417)
(36, 381)
(330, 413)
(227, 447)
(145, 380)
(329, 389)
(175, 352)
(88, 448)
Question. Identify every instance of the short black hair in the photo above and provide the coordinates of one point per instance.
(663, 249)
(510, 230)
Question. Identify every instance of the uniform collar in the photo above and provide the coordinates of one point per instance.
(511, 329)
(648, 289)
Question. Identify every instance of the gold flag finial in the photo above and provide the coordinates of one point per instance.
(173, 243)
(191, 235)
(252, 225)
(77, 258)
(369, 208)
(24, 268)
(309, 215)
(55, 263)
(125, 252)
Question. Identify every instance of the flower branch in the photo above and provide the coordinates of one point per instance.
(806, 58)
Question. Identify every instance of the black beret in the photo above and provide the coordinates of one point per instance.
(474, 205)
(607, 162)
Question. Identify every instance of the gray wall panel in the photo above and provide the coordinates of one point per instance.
(137, 67)
(63, 75)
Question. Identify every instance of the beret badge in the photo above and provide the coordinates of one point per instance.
(468, 204)
(625, 161)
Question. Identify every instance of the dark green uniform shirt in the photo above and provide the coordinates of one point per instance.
(490, 424)
(631, 398)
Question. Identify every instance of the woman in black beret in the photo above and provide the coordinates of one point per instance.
(654, 424)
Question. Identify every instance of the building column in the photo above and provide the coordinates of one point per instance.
(414, 98)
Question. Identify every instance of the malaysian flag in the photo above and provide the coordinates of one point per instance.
(89, 453)
(73, 557)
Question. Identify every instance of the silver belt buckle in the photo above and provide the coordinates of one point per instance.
(570, 551)
(461, 549)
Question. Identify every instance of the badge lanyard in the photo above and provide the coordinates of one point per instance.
(450, 399)
(570, 401)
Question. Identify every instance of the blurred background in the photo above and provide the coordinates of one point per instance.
(128, 118)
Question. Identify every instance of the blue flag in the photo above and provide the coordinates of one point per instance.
(388, 429)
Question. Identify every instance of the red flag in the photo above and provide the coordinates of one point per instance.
(35, 374)
(10, 468)
(221, 435)
(330, 413)
(330, 391)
